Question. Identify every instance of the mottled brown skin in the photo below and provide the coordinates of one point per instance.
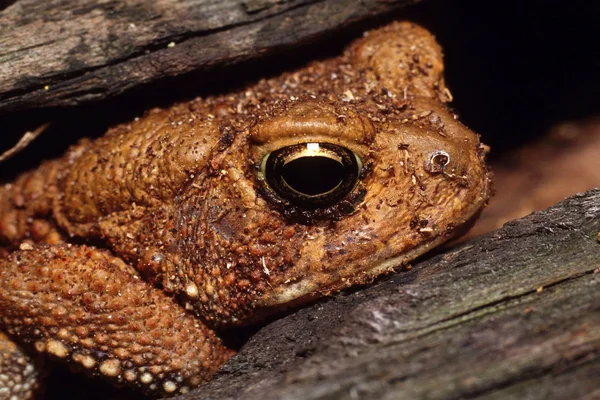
(18, 373)
(184, 236)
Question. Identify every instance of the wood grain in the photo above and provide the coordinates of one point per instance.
(65, 52)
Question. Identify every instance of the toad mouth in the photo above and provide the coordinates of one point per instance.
(315, 286)
(309, 287)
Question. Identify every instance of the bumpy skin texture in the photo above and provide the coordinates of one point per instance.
(194, 239)
(18, 373)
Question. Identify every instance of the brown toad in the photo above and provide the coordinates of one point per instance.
(124, 255)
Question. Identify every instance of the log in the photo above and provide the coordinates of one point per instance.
(63, 53)
(513, 314)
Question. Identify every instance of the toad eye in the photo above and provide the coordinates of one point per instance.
(311, 175)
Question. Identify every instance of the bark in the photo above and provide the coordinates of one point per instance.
(514, 314)
(65, 52)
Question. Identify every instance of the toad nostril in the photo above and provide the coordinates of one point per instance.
(437, 161)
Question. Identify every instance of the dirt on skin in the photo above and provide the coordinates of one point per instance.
(129, 253)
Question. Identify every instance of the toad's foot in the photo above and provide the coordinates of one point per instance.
(18, 373)
(89, 308)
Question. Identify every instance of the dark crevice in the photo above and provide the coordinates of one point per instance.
(21, 49)
(4, 4)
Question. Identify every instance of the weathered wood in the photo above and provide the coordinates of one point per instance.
(515, 314)
(65, 52)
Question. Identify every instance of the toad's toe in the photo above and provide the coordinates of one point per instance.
(18, 373)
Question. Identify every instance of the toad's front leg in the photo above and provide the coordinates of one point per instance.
(87, 307)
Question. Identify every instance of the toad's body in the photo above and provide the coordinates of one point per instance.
(125, 254)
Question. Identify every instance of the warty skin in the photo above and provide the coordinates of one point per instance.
(124, 255)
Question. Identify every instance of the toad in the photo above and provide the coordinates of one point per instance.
(125, 256)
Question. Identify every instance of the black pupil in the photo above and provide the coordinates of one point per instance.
(313, 175)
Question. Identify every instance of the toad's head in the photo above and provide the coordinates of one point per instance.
(356, 171)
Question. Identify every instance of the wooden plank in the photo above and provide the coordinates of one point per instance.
(514, 314)
(65, 52)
